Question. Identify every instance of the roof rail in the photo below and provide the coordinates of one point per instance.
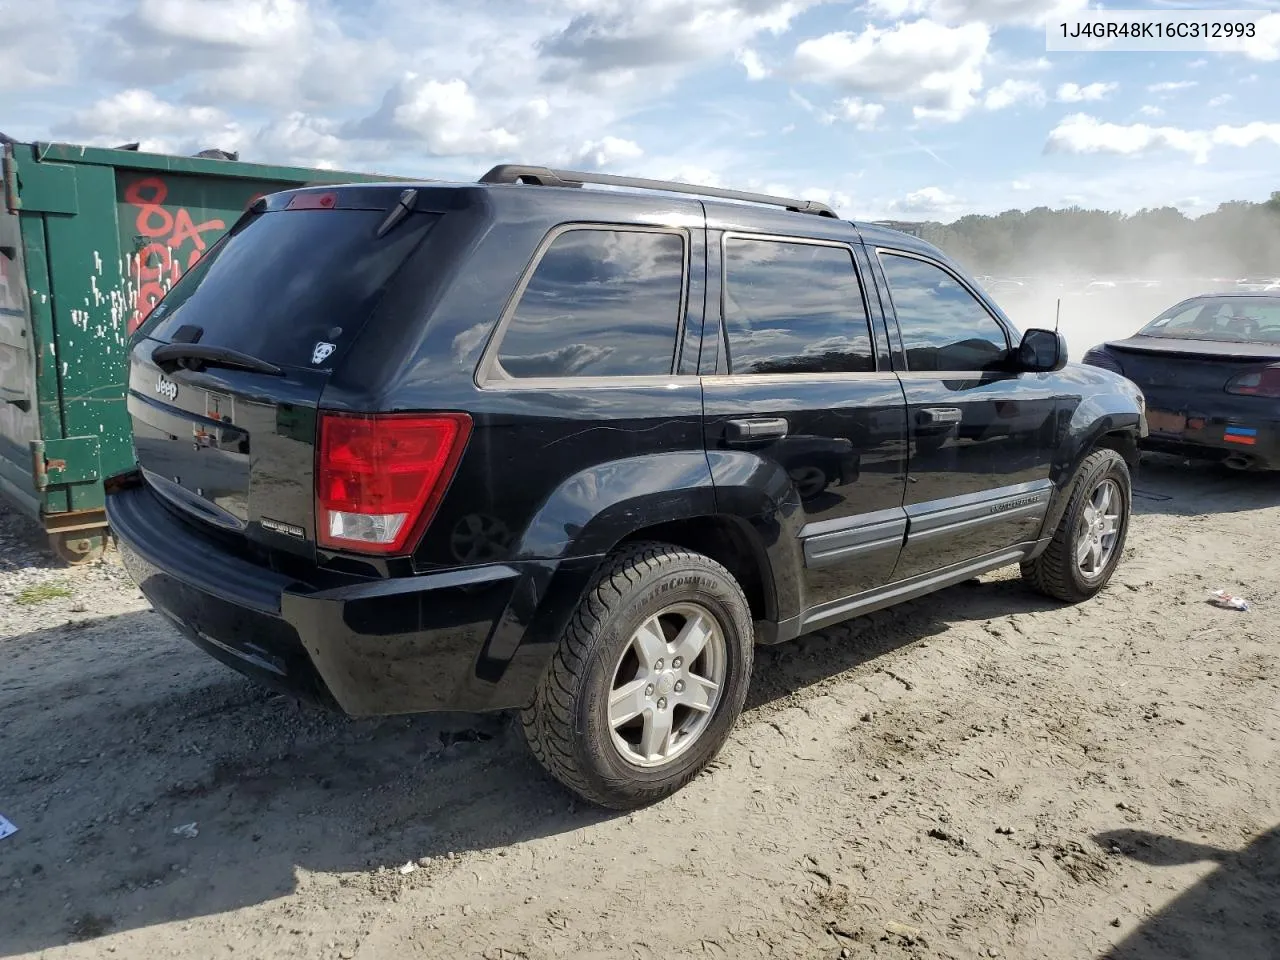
(546, 177)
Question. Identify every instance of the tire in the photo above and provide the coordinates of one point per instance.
(568, 725)
(1058, 572)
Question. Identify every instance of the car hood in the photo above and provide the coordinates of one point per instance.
(1198, 348)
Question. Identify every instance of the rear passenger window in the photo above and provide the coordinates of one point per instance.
(600, 303)
(794, 308)
(943, 325)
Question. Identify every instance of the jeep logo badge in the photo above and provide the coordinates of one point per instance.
(166, 388)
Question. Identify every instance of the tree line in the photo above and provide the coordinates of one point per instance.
(1238, 239)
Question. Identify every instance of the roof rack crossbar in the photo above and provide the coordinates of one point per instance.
(547, 177)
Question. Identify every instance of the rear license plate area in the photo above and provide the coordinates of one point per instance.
(1162, 421)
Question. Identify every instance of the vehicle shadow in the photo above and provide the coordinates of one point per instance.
(1172, 486)
(143, 734)
(1234, 912)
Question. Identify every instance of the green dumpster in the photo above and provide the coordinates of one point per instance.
(90, 240)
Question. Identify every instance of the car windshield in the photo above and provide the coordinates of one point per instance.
(1228, 319)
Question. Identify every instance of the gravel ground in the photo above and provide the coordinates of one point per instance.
(979, 774)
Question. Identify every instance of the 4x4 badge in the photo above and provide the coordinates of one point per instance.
(322, 351)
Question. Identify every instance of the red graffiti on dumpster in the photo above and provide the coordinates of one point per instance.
(169, 238)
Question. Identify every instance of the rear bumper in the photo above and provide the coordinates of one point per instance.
(1214, 429)
(473, 639)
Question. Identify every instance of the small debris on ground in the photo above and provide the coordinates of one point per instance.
(408, 868)
(1228, 601)
(7, 828)
(939, 834)
(188, 830)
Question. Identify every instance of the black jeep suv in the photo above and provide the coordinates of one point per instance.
(517, 444)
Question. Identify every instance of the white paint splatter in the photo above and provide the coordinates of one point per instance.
(97, 262)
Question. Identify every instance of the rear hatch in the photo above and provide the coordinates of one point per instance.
(227, 371)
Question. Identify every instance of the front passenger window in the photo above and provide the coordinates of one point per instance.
(944, 327)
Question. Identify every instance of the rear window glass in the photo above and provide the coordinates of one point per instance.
(600, 303)
(1230, 319)
(286, 284)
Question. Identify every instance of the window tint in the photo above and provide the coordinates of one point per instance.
(285, 281)
(943, 325)
(600, 303)
(794, 308)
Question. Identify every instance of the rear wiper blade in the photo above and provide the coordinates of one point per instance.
(196, 356)
(404, 206)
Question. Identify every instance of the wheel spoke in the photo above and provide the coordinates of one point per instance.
(655, 741)
(1105, 499)
(627, 702)
(693, 637)
(1082, 551)
(1095, 556)
(650, 643)
(1110, 525)
(699, 693)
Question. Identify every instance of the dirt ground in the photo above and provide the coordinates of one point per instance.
(979, 774)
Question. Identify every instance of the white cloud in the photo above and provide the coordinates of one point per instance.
(1024, 12)
(622, 36)
(1170, 86)
(1247, 135)
(261, 24)
(1197, 64)
(444, 116)
(306, 140)
(39, 39)
(1149, 111)
(1019, 185)
(157, 125)
(1038, 65)
(1080, 133)
(1221, 100)
(927, 201)
(1010, 92)
(935, 67)
(751, 62)
(605, 152)
(1265, 43)
(1074, 93)
(863, 115)
(284, 53)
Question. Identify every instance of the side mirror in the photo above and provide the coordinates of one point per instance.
(1042, 351)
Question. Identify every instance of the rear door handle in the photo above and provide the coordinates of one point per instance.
(938, 415)
(763, 428)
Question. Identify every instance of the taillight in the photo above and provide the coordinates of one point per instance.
(380, 477)
(1263, 382)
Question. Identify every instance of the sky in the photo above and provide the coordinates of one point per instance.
(907, 109)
